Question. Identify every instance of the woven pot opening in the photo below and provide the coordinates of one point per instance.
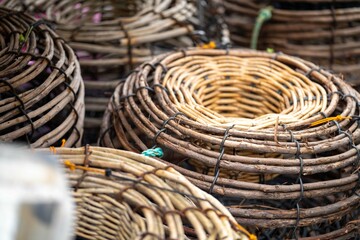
(234, 97)
(230, 90)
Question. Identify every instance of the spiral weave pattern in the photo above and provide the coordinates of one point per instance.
(270, 129)
(41, 89)
(123, 195)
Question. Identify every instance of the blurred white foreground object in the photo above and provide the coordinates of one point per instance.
(34, 201)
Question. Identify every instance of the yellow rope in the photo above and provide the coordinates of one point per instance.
(52, 149)
(242, 229)
(210, 45)
(63, 141)
(329, 119)
(73, 167)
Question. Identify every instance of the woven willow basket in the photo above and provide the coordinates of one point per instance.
(323, 31)
(249, 113)
(123, 195)
(41, 89)
(113, 37)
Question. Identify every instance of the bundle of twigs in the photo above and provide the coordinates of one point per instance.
(123, 195)
(323, 31)
(41, 89)
(225, 116)
(319, 218)
(350, 231)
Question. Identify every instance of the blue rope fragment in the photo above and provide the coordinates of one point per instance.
(153, 152)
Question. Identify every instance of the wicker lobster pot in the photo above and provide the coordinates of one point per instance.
(323, 31)
(41, 89)
(249, 113)
(113, 37)
(123, 195)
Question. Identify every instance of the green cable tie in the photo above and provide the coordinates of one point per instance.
(265, 14)
(153, 152)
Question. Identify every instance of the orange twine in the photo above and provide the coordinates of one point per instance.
(73, 167)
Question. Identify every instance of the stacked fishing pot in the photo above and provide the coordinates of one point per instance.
(111, 38)
(41, 89)
(325, 32)
(273, 136)
(123, 195)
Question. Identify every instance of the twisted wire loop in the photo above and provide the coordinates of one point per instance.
(21, 107)
(87, 153)
(299, 181)
(123, 195)
(217, 165)
(320, 31)
(283, 131)
(41, 89)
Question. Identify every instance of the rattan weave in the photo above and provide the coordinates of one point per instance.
(237, 112)
(123, 195)
(41, 89)
(112, 37)
(324, 32)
